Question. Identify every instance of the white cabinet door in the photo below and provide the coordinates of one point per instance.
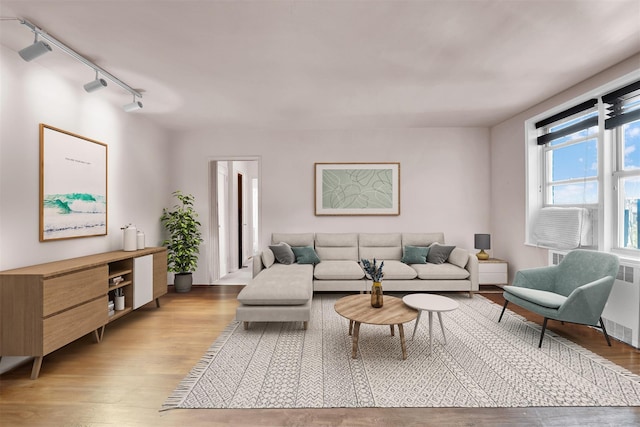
(142, 280)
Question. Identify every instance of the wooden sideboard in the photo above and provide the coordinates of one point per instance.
(46, 306)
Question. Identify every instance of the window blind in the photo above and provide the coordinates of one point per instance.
(586, 123)
(623, 105)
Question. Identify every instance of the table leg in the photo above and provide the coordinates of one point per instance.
(356, 335)
(402, 343)
(350, 326)
(416, 328)
(430, 332)
(442, 327)
(392, 332)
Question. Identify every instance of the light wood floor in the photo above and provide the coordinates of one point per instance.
(125, 379)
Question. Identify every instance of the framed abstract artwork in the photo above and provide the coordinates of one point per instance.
(357, 188)
(73, 185)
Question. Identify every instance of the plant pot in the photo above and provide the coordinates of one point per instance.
(376, 295)
(182, 282)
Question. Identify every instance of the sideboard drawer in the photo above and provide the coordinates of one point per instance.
(69, 290)
(84, 318)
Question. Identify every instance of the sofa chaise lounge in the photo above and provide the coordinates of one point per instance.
(282, 292)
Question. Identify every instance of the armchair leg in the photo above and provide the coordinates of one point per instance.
(604, 331)
(504, 307)
(544, 328)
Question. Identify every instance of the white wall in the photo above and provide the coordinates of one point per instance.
(138, 184)
(444, 177)
(508, 178)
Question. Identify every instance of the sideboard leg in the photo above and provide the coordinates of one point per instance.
(158, 302)
(35, 369)
(98, 334)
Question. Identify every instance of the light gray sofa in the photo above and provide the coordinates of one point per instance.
(281, 292)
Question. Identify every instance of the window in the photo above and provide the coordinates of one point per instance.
(623, 121)
(587, 157)
(627, 177)
(570, 155)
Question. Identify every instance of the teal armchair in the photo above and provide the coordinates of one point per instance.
(575, 291)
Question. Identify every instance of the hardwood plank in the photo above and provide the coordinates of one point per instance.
(125, 379)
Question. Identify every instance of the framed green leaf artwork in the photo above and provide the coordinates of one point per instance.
(73, 185)
(357, 188)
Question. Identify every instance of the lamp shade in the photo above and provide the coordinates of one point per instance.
(35, 50)
(482, 241)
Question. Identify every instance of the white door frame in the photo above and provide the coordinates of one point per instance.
(213, 237)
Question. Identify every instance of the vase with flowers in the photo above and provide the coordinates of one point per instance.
(374, 272)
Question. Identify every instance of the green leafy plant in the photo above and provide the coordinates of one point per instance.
(183, 243)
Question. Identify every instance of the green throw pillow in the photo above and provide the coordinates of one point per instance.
(305, 255)
(415, 255)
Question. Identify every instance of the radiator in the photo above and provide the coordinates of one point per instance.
(563, 228)
(621, 315)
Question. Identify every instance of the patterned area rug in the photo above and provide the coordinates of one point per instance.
(483, 364)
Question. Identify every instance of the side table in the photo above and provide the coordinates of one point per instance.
(493, 271)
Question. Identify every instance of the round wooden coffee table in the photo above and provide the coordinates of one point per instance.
(357, 308)
(430, 303)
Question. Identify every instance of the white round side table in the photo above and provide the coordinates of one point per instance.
(430, 303)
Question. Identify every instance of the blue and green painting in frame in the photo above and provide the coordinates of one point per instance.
(73, 185)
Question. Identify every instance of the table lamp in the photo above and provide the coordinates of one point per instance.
(482, 242)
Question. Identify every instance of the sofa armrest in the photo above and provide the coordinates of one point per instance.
(541, 278)
(258, 266)
(472, 268)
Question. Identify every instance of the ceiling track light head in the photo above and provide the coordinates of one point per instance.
(38, 48)
(135, 105)
(96, 84)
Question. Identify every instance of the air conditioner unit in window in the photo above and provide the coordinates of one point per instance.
(563, 228)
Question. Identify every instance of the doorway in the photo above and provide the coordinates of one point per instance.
(234, 216)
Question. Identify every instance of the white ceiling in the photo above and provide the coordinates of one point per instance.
(333, 64)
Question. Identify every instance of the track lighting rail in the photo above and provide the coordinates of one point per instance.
(75, 55)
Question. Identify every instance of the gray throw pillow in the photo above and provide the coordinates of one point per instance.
(438, 254)
(415, 255)
(305, 255)
(283, 253)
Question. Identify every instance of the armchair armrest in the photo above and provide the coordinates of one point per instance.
(541, 278)
(586, 303)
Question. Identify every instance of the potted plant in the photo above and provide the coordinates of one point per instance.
(374, 272)
(183, 243)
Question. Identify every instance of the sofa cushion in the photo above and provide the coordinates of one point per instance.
(437, 253)
(443, 271)
(459, 257)
(385, 246)
(293, 239)
(422, 239)
(337, 246)
(415, 255)
(283, 253)
(536, 296)
(280, 285)
(396, 270)
(268, 258)
(305, 255)
(338, 270)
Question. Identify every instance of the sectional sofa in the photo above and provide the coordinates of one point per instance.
(282, 288)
